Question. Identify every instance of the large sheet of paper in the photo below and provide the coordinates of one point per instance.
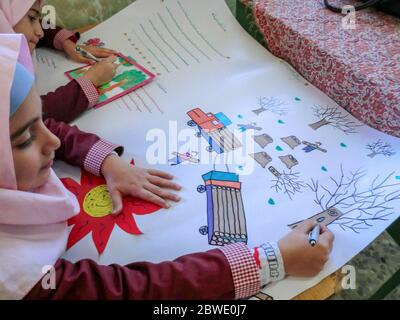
(273, 149)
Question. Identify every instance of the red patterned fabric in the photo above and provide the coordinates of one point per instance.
(90, 91)
(245, 274)
(96, 155)
(61, 36)
(359, 69)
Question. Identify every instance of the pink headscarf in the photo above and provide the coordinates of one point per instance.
(12, 11)
(33, 229)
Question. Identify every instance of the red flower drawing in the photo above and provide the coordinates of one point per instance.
(94, 42)
(96, 207)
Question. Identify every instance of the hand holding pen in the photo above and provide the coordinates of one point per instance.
(86, 54)
(301, 259)
(314, 235)
(101, 53)
(102, 72)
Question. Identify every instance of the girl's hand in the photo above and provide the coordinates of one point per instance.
(69, 49)
(102, 72)
(124, 179)
(299, 257)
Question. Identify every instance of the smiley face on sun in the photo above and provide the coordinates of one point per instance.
(97, 202)
(96, 207)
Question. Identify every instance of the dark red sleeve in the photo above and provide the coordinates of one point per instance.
(199, 276)
(66, 103)
(75, 144)
(49, 35)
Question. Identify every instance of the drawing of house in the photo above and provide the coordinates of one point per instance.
(225, 211)
(213, 127)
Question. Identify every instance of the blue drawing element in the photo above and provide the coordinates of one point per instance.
(279, 148)
(281, 122)
(240, 116)
(223, 119)
(203, 230)
(397, 177)
(183, 157)
(343, 145)
(225, 210)
(241, 168)
(297, 99)
(271, 202)
(213, 127)
(323, 168)
(201, 189)
(310, 147)
(249, 126)
(175, 161)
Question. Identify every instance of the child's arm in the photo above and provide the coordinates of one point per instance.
(196, 276)
(66, 103)
(55, 38)
(93, 154)
(232, 271)
(65, 40)
(82, 149)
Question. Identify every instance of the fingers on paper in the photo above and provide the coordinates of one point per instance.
(117, 202)
(164, 183)
(326, 238)
(111, 58)
(306, 226)
(101, 52)
(160, 174)
(162, 193)
(151, 197)
(80, 59)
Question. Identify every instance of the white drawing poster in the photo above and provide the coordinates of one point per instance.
(256, 148)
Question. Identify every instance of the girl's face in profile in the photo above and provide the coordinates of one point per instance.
(31, 27)
(33, 145)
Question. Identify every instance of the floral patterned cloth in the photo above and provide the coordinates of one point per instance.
(359, 68)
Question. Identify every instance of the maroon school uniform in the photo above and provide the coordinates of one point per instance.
(226, 273)
(67, 102)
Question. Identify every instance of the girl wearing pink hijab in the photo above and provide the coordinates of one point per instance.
(69, 101)
(35, 207)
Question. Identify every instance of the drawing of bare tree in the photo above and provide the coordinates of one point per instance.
(360, 207)
(272, 104)
(380, 147)
(332, 116)
(287, 182)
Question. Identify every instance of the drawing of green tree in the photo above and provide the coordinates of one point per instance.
(125, 81)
